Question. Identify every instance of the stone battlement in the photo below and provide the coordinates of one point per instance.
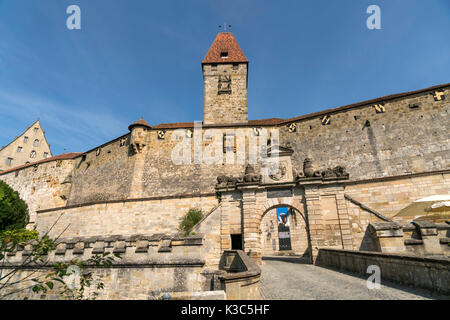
(156, 249)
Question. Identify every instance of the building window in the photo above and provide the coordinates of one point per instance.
(36, 130)
(19, 149)
(9, 161)
(36, 142)
(224, 54)
(45, 154)
(25, 139)
(214, 67)
(33, 154)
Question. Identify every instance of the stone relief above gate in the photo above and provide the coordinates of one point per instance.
(337, 172)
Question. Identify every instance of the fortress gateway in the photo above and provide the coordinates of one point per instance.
(341, 176)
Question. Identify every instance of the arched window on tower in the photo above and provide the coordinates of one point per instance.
(36, 143)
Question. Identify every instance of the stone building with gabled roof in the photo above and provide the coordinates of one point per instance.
(30, 146)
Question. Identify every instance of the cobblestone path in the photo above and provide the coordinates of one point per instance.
(290, 278)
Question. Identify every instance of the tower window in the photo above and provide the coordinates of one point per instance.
(45, 154)
(33, 154)
(36, 142)
(36, 129)
(235, 66)
(19, 149)
(229, 143)
(25, 139)
(224, 54)
(9, 160)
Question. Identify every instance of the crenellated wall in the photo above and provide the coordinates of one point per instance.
(399, 141)
(418, 238)
(150, 265)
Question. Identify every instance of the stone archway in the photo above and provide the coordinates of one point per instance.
(298, 234)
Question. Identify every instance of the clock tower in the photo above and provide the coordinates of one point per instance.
(225, 77)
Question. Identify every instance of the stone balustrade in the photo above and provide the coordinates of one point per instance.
(417, 238)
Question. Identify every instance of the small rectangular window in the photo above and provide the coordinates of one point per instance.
(45, 154)
(9, 161)
(236, 241)
(19, 149)
(235, 66)
(36, 130)
(25, 139)
(229, 143)
(224, 54)
(214, 67)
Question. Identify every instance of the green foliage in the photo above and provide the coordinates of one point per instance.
(13, 210)
(190, 219)
(11, 240)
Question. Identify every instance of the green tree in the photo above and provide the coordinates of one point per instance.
(13, 210)
(189, 220)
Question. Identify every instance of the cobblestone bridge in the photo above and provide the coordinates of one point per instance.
(290, 278)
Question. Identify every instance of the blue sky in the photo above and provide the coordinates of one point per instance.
(143, 58)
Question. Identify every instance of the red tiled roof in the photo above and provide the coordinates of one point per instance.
(140, 122)
(64, 156)
(225, 42)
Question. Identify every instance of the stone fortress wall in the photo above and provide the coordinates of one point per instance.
(411, 136)
(149, 265)
(109, 172)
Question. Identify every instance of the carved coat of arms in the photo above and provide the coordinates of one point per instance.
(277, 171)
